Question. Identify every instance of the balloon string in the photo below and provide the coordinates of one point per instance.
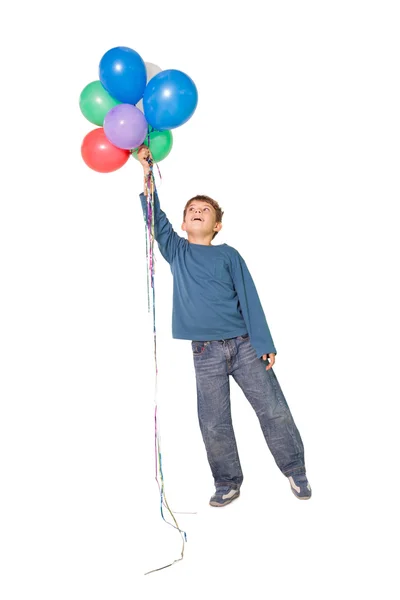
(150, 258)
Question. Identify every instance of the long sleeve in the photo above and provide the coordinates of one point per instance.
(164, 233)
(252, 311)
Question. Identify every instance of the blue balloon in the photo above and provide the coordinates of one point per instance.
(122, 72)
(169, 100)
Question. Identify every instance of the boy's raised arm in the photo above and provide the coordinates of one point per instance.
(164, 233)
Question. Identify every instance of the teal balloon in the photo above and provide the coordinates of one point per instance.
(160, 144)
(95, 102)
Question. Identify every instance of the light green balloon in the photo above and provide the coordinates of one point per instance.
(160, 144)
(95, 102)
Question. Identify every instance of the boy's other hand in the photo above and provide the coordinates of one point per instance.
(271, 357)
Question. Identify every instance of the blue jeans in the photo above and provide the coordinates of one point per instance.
(214, 361)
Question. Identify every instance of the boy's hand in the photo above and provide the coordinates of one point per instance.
(143, 154)
(271, 357)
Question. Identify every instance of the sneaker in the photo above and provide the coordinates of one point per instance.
(224, 495)
(300, 486)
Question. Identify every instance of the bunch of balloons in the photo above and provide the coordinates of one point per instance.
(133, 103)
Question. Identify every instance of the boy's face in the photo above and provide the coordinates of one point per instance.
(200, 219)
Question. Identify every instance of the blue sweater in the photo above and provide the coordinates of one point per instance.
(214, 296)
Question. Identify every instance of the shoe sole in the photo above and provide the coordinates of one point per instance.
(300, 497)
(219, 505)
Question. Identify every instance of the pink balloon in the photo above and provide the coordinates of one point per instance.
(125, 126)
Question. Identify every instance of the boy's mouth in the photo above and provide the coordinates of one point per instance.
(196, 219)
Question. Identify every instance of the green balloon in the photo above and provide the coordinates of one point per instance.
(95, 102)
(160, 144)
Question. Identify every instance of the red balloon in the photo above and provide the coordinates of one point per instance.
(100, 154)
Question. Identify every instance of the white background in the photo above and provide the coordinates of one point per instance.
(297, 135)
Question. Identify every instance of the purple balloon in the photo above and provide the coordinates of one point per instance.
(125, 126)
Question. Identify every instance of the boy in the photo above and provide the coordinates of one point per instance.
(216, 305)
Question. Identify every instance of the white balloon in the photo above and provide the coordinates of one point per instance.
(151, 70)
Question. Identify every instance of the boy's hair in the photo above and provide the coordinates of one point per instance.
(218, 210)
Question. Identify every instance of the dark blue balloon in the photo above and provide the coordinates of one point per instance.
(169, 100)
(123, 73)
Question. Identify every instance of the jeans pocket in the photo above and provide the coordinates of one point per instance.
(198, 348)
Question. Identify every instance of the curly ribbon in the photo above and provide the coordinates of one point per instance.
(149, 231)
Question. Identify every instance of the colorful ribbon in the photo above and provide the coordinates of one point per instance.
(149, 232)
